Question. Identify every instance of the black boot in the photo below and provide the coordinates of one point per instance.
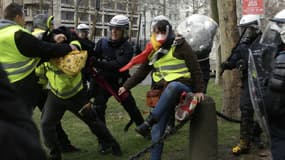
(144, 129)
(114, 148)
(54, 154)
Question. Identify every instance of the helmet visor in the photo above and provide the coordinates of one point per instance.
(271, 35)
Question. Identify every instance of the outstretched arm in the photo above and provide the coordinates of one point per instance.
(30, 46)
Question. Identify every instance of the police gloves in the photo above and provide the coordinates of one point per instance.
(227, 65)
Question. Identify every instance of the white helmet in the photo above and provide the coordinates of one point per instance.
(274, 32)
(83, 27)
(279, 17)
(119, 21)
(279, 24)
(250, 20)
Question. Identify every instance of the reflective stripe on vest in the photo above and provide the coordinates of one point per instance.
(62, 85)
(38, 33)
(169, 68)
(14, 63)
(77, 43)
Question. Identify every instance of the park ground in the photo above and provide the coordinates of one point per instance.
(176, 146)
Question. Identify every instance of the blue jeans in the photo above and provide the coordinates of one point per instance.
(169, 98)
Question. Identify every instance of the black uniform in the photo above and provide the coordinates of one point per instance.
(239, 59)
(87, 45)
(110, 57)
(19, 138)
(275, 102)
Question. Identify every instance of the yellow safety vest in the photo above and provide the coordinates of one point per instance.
(14, 63)
(169, 68)
(38, 33)
(61, 84)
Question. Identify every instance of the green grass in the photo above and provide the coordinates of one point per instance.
(131, 143)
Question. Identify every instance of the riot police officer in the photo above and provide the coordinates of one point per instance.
(251, 34)
(274, 36)
(110, 54)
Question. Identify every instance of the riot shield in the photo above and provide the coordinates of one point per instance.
(199, 31)
(259, 70)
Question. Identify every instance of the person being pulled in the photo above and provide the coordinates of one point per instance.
(250, 130)
(67, 93)
(173, 65)
(109, 56)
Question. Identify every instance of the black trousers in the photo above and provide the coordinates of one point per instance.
(275, 103)
(62, 136)
(29, 91)
(102, 96)
(53, 111)
(277, 133)
(246, 125)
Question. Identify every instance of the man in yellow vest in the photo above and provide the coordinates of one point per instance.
(21, 52)
(43, 26)
(174, 67)
(67, 93)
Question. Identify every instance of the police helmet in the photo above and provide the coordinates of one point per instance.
(119, 21)
(279, 25)
(82, 27)
(274, 33)
(250, 20)
(279, 17)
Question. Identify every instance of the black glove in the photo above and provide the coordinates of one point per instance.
(241, 65)
(226, 65)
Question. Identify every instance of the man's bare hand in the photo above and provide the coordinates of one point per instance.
(59, 38)
(200, 96)
(121, 90)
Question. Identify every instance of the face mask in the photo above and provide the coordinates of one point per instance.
(160, 37)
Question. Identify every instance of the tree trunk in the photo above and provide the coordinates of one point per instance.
(215, 16)
(229, 36)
